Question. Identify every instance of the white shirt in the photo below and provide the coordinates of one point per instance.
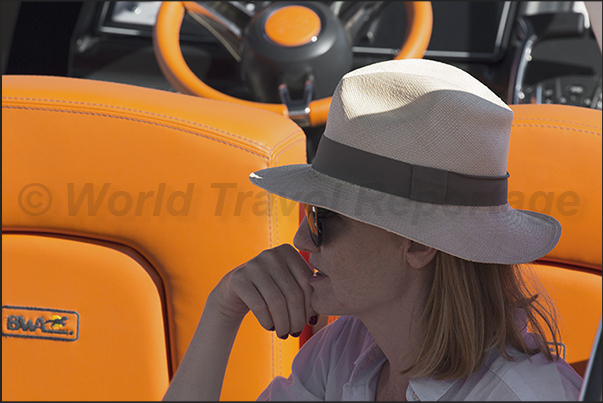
(343, 362)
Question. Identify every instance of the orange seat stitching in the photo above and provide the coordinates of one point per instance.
(285, 149)
(287, 139)
(560, 127)
(140, 121)
(145, 112)
(561, 121)
(208, 99)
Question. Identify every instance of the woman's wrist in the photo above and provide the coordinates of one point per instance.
(219, 310)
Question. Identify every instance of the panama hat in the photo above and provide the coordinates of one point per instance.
(419, 148)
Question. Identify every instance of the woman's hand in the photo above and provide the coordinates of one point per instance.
(274, 286)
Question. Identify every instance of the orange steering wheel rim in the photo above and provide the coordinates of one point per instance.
(166, 42)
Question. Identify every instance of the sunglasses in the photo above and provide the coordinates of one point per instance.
(315, 216)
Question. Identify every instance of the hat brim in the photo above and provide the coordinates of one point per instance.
(491, 234)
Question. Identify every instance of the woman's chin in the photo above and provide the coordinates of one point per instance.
(326, 305)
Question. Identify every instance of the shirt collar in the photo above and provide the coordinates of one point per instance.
(418, 389)
(371, 358)
(428, 388)
(431, 389)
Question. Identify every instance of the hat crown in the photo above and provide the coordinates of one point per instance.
(425, 113)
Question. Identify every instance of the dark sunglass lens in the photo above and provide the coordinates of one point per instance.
(314, 224)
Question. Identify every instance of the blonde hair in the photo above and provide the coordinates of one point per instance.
(472, 308)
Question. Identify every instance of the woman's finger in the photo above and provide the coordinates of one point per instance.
(302, 272)
(295, 286)
(275, 300)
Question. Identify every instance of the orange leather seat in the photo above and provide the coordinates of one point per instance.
(122, 207)
(555, 168)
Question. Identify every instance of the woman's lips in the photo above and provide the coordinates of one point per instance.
(317, 273)
(318, 276)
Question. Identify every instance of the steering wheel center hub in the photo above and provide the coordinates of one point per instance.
(293, 26)
(287, 44)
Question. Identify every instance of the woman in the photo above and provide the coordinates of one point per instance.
(412, 243)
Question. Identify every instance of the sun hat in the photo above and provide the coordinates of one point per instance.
(419, 148)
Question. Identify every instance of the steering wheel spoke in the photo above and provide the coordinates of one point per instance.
(226, 21)
(358, 14)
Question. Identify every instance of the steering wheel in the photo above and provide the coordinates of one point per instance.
(277, 36)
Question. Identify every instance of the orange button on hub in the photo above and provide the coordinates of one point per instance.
(292, 26)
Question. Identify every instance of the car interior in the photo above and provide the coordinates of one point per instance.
(129, 131)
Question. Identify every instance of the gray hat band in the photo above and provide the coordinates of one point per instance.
(414, 182)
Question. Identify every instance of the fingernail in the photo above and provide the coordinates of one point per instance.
(272, 330)
(283, 337)
(313, 320)
(296, 334)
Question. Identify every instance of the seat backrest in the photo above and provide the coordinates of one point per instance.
(555, 168)
(122, 207)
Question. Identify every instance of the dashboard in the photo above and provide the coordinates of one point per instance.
(456, 33)
(526, 52)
